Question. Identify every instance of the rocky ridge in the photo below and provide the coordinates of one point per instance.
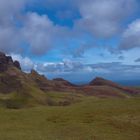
(6, 62)
(36, 87)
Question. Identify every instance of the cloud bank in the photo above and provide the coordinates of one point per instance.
(71, 30)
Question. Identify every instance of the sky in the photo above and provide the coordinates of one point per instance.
(73, 39)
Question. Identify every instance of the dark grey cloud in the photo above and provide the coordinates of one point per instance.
(85, 72)
(10, 10)
(10, 37)
(71, 66)
(117, 67)
(137, 60)
(80, 51)
(66, 66)
(121, 57)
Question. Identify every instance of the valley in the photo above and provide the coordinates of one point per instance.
(33, 107)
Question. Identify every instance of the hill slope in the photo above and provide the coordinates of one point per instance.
(103, 82)
(91, 119)
(19, 89)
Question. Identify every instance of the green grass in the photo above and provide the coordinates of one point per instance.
(63, 98)
(90, 119)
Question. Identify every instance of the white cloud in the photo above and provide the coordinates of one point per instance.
(18, 28)
(66, 66)
(38, 31)
(41, 34)
(131, 36)
(26, 63)
(133, 28)
(103, 18)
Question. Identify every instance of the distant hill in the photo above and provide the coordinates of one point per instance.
(19, 89)
(103, 82)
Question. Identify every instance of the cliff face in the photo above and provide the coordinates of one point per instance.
(6, 62)
(9, 74)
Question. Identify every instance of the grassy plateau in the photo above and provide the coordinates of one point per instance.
(90, 119)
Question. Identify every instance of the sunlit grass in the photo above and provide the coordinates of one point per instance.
(92, 118)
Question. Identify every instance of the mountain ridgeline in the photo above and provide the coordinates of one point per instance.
(19, 89)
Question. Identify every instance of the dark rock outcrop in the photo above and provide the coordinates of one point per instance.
(17, 65)
(6, 62)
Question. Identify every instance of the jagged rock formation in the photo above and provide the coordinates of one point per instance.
(6, 62)
(9, 69)
(41, 81)
(17, 65)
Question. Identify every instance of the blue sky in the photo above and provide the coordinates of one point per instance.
(74, 39)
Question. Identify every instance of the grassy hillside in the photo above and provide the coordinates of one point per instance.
(35, 108)
(91, 119)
